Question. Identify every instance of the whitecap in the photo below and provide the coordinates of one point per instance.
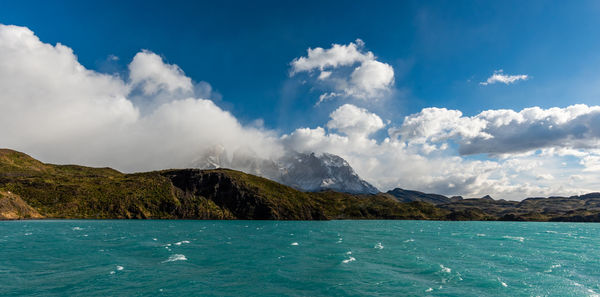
(112, 272)
(517, 238)
(378, 246)
(348, 253)
(181, 242)
(294, 243)
(502, 283)
(445, 269)
(76, 228)
(429, 290)
(351, 259)
(176, 257)
(409, 240)
(28, 233)
(155, 239)
(480, 234)
(119, 268)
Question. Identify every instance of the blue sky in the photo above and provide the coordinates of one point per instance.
(440, 50)
(404, 87)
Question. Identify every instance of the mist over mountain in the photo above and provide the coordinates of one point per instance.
(304, 171)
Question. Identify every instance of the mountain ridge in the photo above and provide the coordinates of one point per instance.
(30, 189)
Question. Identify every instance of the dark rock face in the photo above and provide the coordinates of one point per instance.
(242, 201)
(409, 196)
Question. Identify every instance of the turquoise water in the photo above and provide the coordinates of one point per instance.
(266, 258)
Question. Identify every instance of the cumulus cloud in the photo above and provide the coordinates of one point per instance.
(59, 111)
(500, 77)
(500, 132)
(347, 71)
(148, 71)
(356, 121)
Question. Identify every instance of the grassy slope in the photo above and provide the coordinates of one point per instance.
(69, 191)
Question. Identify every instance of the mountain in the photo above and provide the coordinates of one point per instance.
(584, 208)
(409, 195)
(32, 189)
(311, 172)
(303, 171)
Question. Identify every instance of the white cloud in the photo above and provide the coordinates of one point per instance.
(61, 112)
(500, 77)
(506, 131)
(370, 79)
(352, 120)
(148, 71)
(439, 124)
(336, 56)
(346, 71)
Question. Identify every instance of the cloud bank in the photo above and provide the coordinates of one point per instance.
(59, 111)
(55, 109)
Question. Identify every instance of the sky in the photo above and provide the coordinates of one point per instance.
(453, 97)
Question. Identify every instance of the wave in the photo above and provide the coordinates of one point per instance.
(517, 238)
(176, 257)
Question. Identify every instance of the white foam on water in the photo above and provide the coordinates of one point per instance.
(181, 242)
(409, 240)
(550, 231)
(294, 243)
(445, 269)
(517, 238)
(351, 259)
(429, 290)
(112, 272)
(119, 268)
(502, 283)
(28, 233)
(176, 257)
(155, 239)
(76, 228)
(348, 253)
(378, 246)
(480, 234)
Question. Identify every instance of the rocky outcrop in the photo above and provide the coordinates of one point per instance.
(12, 207)
(231, 190)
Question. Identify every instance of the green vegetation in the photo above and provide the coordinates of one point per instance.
(32, 189)
(69, 191)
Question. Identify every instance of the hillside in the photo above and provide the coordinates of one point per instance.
(32, 189)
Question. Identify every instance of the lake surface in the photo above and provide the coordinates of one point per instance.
(275, 258)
